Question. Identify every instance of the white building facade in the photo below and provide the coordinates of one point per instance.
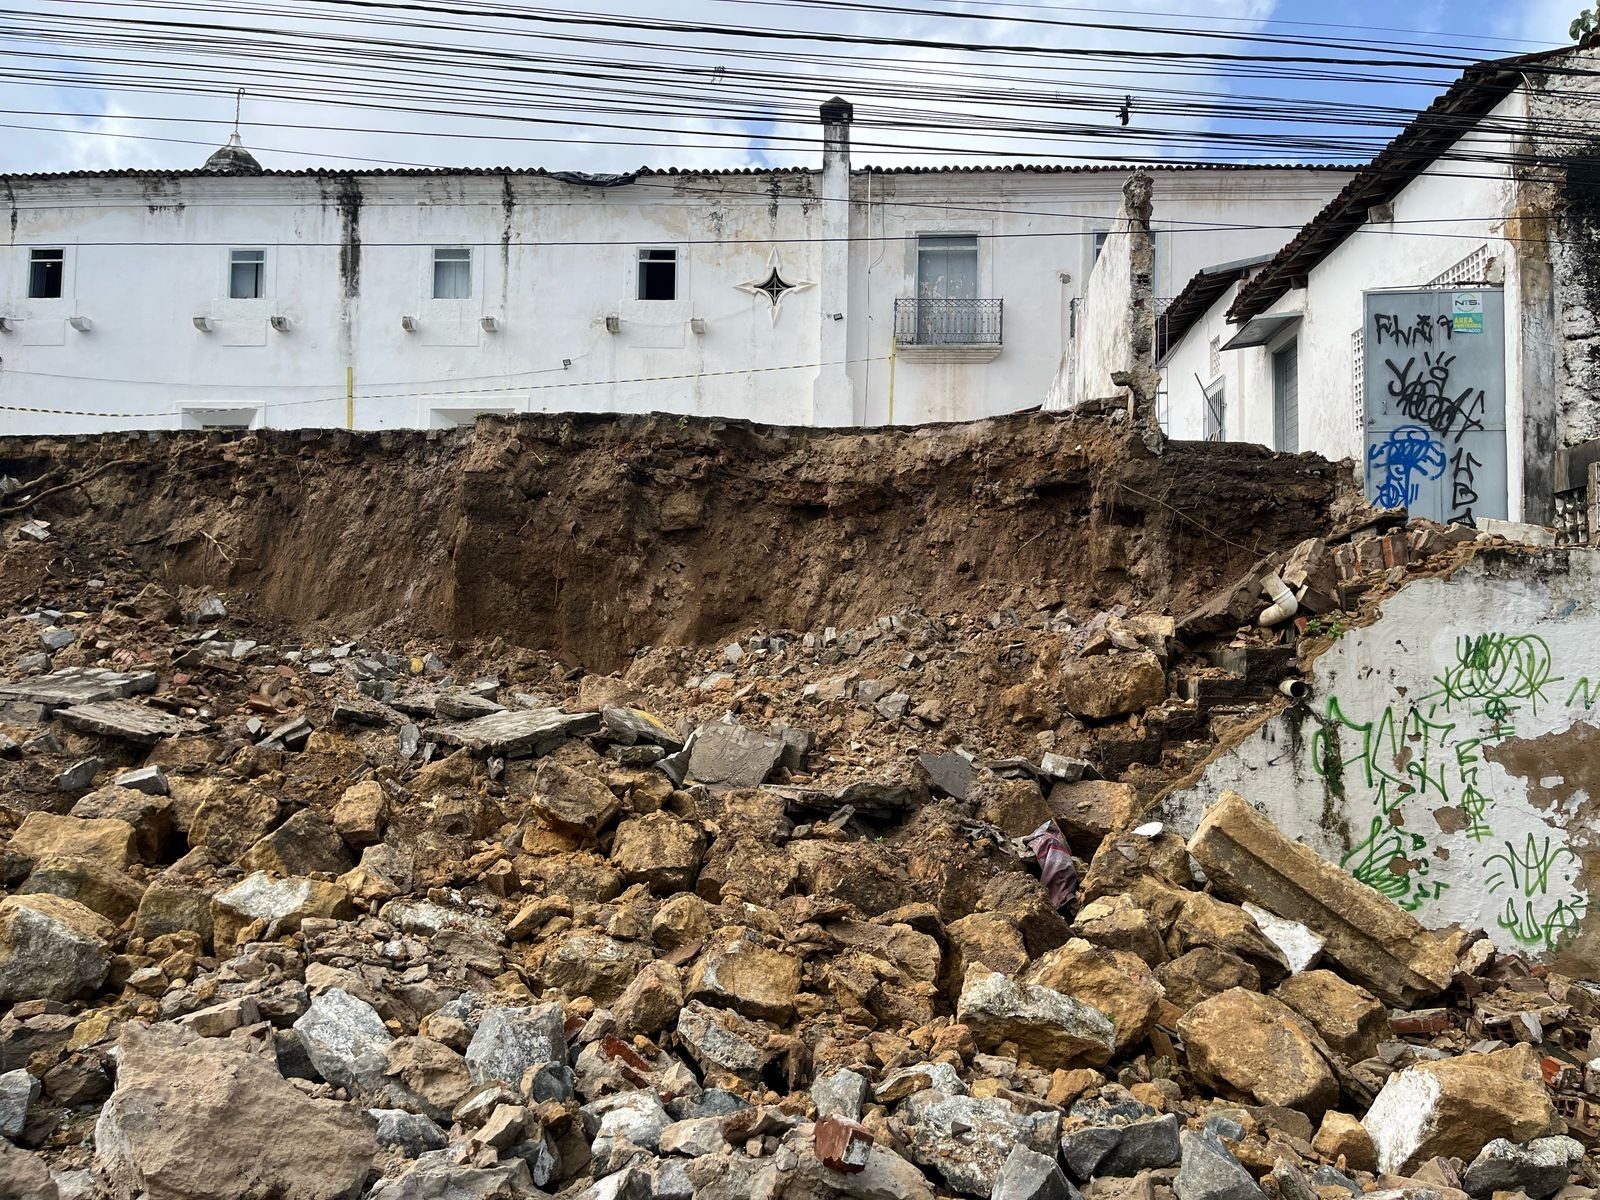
(1435, 323)
(230, 296)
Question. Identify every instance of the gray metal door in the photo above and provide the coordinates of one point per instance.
(1286, 398)
(1435, 392)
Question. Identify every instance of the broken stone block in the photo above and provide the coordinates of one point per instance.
(1349, 1018)
(1089, 809)
(635, 726)
(989, 940)
(1015, 806)
(1343, 1136)
(679, 921)
(303, 845)
(722, 1040)
(1205, 972)
(585, 962)
(149, 815)
(152, 781)
(172, 906)
(345, 1039)
(431, 1072)
(1456, 1106)
(18, 1089)
(1537, 1169)
(517, 733)
(967, 1140)
(1102, 686)
(79, 776)
(572, 802)
(950, 772)
(230, 820)
(359, 814)
(1204, 920)
(729, 753)
(738, 970)
(1029, 1175)
(659, 850)
(840, 1093)
(1143, 1146)
(80, 685)
(651, 1002)
(1377, 943)
(511, 1041)
(95, 884)
(1117, 923)
(410, 1133)
(278, 904)
(193, 1117)
(1052, 1029)
(51, 949)
(1210, 1172)
(43, 835)
(127, 720)
(843, 1145)
(1255, 1045)
(1113, 981)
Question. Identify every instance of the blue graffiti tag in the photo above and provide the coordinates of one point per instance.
(1409, 451)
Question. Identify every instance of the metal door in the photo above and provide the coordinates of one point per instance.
(1436, 402)
(1286, 398)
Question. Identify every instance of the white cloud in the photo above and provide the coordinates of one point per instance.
(663, 136)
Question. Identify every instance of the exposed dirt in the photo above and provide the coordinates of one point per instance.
(593, 536)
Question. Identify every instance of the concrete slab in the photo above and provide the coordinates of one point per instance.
(79, 685)
(517, 734)
(127, 719)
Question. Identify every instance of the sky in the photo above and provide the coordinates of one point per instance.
(601, 87)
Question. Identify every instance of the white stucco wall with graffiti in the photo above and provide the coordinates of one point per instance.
(1449, 754)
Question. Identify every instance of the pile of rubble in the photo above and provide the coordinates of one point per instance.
(863, 912)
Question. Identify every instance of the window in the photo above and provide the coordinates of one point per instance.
(452, 273)
(46, 269)
(1100, 236)
(1214, 428)
(658, 274)
(947, 267)
(1286, 398)
(247, 271)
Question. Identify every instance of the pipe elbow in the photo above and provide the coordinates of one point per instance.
(1283, 605)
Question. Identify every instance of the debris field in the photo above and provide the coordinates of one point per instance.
(316, 892)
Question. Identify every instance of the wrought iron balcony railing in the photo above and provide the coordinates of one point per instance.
(948, 322)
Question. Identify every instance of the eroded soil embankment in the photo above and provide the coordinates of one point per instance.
(590, 535)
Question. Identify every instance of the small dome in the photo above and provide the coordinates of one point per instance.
(233, 159)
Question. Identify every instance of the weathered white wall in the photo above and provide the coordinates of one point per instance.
(551, 261)
(1451, 210)
(1450, 752)
(1187, 370)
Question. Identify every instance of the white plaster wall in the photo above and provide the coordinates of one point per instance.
(1188, 366)
(1447, 753)
(551, 261)
(1036, 253)
(1104, 344)
(1447, 213)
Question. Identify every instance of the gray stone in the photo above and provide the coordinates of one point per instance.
(1144, 1145)
(1054, 1030)
(1210, 1172)
(634, 726)
(731, 754)
(435, 1177)
(950, 772)
(1029, 1175)
(79, 776)
(24, 1175)
(693, 1137)
(345, 1039)
(427, 918)
(51, 949)
(211, 610)
(967, 1139)
(1539, 1168)
(80, 685)
(840, 1093)
(624, 1124)
(669, 1180)
(53, 637)
(517, 734)
(410, 1133)
(127, 720)
(152, 781)
(509, 1041)
(1084, 1149)
(18, 1089)
(292, 734)
(464, 706)
(724, 1040)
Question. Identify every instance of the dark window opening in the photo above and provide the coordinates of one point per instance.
(658, 274)
(46, 270)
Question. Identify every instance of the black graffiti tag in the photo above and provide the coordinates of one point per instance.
(1424, 396)
(1463, 492)
(1422, 329)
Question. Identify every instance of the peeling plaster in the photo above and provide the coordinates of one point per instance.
(1454, 762)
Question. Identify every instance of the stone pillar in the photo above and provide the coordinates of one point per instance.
(832, 399)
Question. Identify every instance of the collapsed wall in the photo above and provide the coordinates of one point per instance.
(591, 536)
(1447, 753)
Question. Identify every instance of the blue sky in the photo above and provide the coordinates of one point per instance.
(663, 101)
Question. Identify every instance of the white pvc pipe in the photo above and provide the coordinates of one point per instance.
(1283, 606)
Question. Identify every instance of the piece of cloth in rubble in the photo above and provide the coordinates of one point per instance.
(1056, 869)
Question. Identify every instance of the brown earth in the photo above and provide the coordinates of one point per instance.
(592, 536)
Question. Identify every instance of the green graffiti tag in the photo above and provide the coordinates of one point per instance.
(1430, 750)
